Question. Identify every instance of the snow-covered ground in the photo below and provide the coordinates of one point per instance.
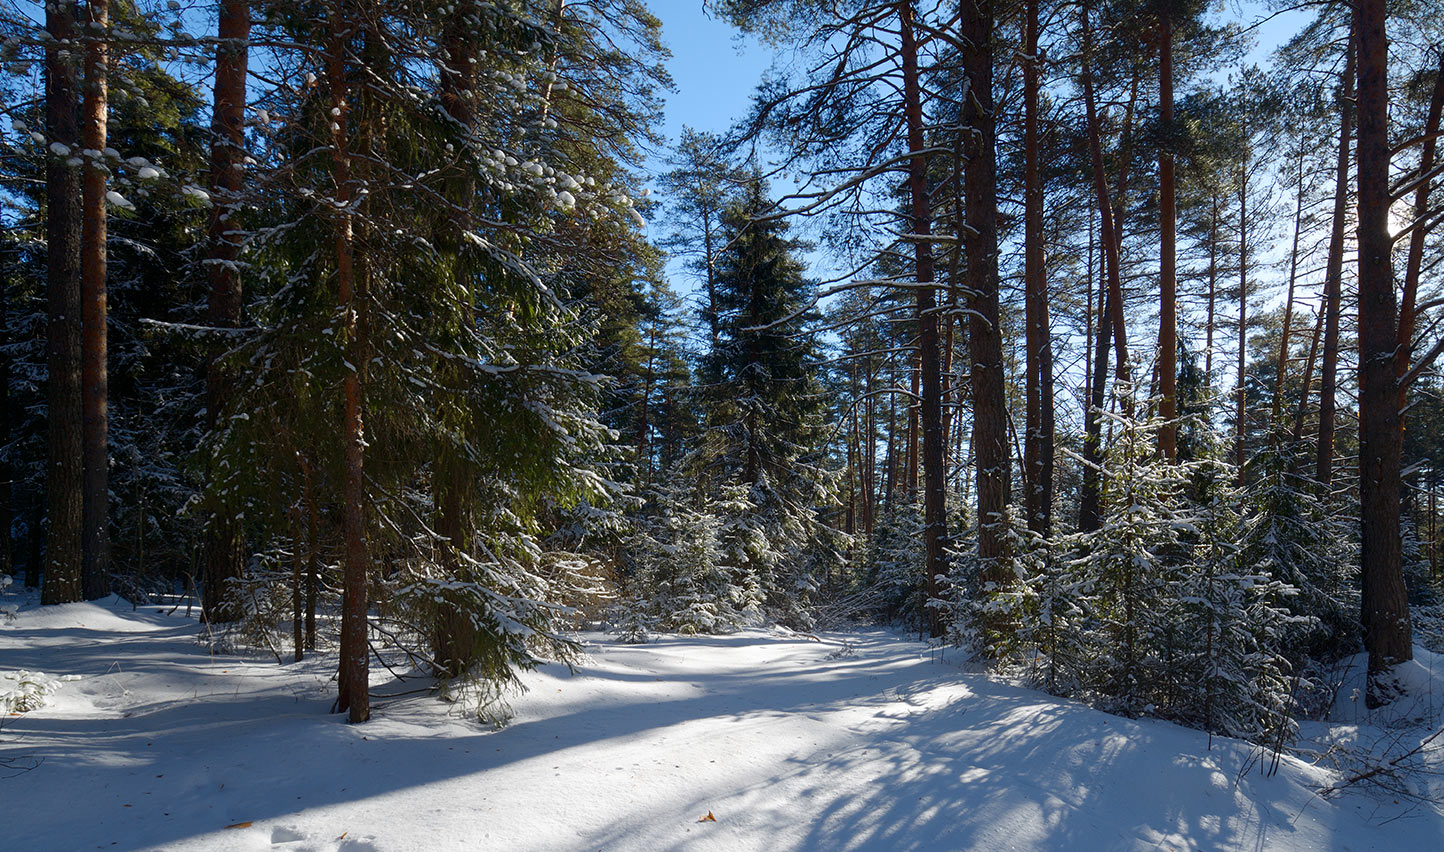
(844, 742)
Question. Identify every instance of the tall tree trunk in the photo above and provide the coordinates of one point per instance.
(7, 469)
(95, 530)
(1211, 321)
(1168, 259)
(354, 677)
(1385, 611)
(871, 497)
(1333, 280)
(1281, 372)
(985, 330)
(1417, 235)
(930, 379)
(224, 547)
(1308, 382)
(711, 269)
(910, 469)
(63, 500)
(1240, 389)
(1038, 441)
(1090, 512)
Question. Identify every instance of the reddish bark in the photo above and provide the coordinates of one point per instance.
(354, 677)
(985, 333)
(224, 549)
(929, 377)
(95, 531)
(1385, 609)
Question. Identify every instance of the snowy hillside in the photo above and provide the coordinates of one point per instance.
(858, 741)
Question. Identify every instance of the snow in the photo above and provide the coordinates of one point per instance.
(1421, 681)
(118, 200)
(846, 741)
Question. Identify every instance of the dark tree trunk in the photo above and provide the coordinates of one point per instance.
(1240, 390)
(985, 332)
(1415, 260)
(7, 470)
(353, 682)
(1385, 612)
(930, 379)
(1308, 382)
(1109, 324)
(1282, 367)
(1211, 322)
(95, 530)
(1333, 281)
(1038, 441)
(1167, 265)
(224, 547)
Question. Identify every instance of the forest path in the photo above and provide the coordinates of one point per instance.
(846, 741)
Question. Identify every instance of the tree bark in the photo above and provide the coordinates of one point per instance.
(1090, 512)
(1333, 280)
(1240, 388)
(1385, 610)
(1039, 438)
(1211, 322)
(929, 377)
(1281, 371)
(224, 547)
(1417, 235)
(95, 531)
(7, 470)
(985, 331)
(1308, 382)
(1168, 258)
(353, 681)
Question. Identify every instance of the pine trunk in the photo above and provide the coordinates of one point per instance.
(353, 681)
(1109, 323)
(1240, 387)
(1282, 367)
(7, 470)
(929, 377)
(224, 548)
(1385, 612)
(1039, 437)
(985, 332)
(1167, 266)
(1415, 260)
(95, 531)
(1333, 281)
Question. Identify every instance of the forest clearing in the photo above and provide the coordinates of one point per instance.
(859, 740)
(731, 424)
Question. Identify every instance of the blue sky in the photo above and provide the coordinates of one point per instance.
(715, 70)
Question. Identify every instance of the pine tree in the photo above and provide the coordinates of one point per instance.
(764, 426)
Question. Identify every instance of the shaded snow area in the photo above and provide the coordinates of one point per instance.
(847, 741)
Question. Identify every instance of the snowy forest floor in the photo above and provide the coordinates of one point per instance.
(846, 741)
